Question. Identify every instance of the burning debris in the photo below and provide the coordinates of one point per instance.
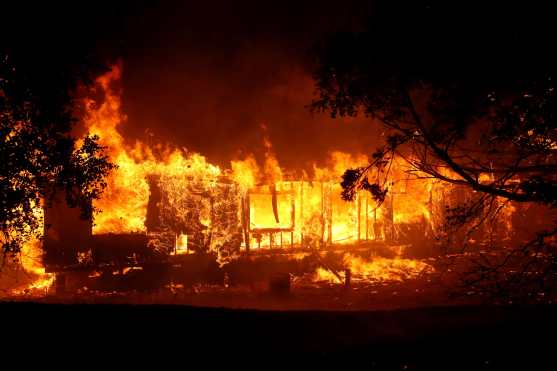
(24, 275)
(378, 269)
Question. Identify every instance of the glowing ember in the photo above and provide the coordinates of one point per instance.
(31, 261)
(377, 269)
(182, 244)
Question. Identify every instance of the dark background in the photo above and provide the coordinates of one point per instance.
(206, 75)
(449, 338)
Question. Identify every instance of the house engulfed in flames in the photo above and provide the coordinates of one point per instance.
(165, 205)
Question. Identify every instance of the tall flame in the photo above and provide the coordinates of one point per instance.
(124, 204)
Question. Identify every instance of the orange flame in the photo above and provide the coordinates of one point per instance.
(377, 269)
(124, 203)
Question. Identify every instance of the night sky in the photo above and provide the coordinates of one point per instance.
(207, 75)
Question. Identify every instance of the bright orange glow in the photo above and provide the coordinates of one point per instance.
(125, 200)
(31, 258)
(182, 244)
(377, 269)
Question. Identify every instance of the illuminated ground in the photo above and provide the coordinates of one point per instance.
(312, 291)
(304, 295)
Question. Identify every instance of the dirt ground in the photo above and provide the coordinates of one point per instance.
(304, 294)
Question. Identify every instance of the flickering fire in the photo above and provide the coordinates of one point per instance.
(377, 269)
(37, 280)
(253, 205)
(124, 204)
(31, 261)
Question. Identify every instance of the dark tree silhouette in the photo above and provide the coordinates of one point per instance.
(39, 155)
(47, 58)
(466, 95)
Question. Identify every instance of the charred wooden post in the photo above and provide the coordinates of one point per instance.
(152, 219)
(389, 218)
(347, 278)
(274, 201)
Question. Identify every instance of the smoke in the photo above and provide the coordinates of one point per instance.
(205, 77)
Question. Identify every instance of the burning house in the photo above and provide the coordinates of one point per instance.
(173, 216)
(188, 219)
(351, 179)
